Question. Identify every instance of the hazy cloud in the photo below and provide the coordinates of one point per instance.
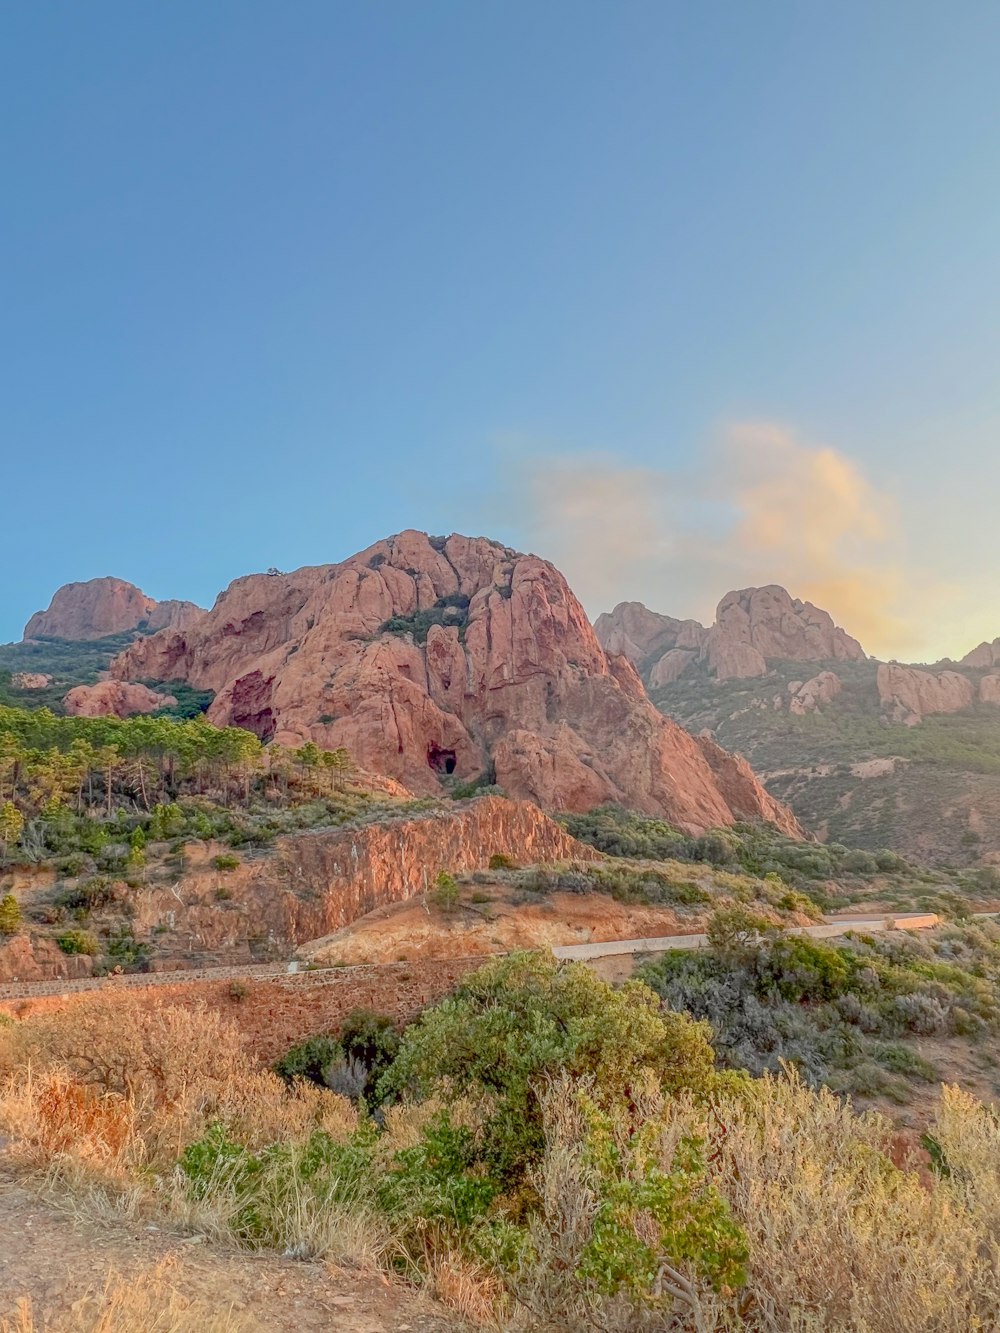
(763, 506)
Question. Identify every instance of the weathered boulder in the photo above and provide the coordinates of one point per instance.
(909, 694)
(989, 689)
(810, 694)
(114, 698)
(30, 680)
(434, 657)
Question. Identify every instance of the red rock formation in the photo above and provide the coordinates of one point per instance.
(752, 626)
(986, 655)
(510, 674)
(114, 698)
(908, 694)
(989, 689)
(808, 695)
(30, 680)
(100, 607)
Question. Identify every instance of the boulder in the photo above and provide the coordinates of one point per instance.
(821, 689)
(115, 698)
(30, 680)
(909, 694)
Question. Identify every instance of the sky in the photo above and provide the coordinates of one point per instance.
(684, 297)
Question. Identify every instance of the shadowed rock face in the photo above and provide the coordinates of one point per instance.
(751, 626)
(428, 657)
(100, 607)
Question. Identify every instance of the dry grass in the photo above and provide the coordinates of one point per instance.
(149, 1303)
(842, 1241)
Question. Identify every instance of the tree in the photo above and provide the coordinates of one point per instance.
(10, 915)
(11, 825)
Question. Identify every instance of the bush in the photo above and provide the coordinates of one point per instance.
(10, 915)
(500, 861)
(79, 941)
(89, 895)
(523, 1018)
(225, 861)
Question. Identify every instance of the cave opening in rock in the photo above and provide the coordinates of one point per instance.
(442, 761)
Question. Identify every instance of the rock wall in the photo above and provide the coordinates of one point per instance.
(314, 883)
(114, 698)
(908, 694)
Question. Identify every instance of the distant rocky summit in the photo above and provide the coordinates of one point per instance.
(102, 607)
(752, 627)
(456, 658)
(986, 655)
(872, 754)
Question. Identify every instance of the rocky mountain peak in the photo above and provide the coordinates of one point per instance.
(433, 658)
(104, 606)
(752, 626)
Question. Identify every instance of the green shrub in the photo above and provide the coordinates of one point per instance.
(225, 861)
(79, 941)
(500, 861)
(522, 1018)
(89, 895)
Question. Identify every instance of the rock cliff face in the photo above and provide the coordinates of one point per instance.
(751, 626)
(315, 883)
(426, 657)
(114, 698)
(908, 694)
(986, 655)
(100, 607)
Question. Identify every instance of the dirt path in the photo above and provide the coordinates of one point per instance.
(56, 1259)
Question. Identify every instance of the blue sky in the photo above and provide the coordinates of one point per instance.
(684, 296)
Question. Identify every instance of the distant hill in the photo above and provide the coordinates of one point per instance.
(866, 753)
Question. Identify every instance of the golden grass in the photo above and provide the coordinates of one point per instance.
(149, 1303)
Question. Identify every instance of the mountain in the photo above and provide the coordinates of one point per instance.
(453, 659)
(103, 607)
(751, 626)
(868, 753)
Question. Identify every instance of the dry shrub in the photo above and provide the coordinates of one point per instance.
(547, 1284)
(968, 1136)
(141, 1049)
(149, 1303)
(474, 1294)
(260, 1108)
(841, 1241)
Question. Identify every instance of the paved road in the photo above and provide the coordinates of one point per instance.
(272, 971)
(832, 926)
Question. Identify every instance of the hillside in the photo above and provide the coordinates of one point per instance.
(866, 753)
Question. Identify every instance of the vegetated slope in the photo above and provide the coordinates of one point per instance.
(38, 673)
(867, 753)
(851, 774)
(449, 658)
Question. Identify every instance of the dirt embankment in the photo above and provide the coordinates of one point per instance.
(308, 886)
